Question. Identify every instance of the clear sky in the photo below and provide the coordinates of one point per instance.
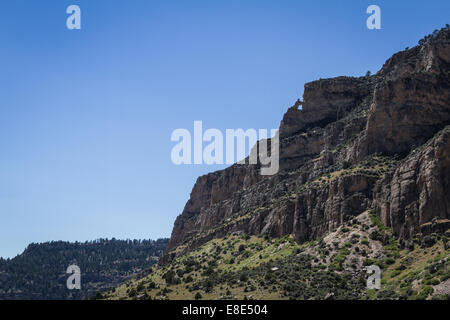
(86, 115)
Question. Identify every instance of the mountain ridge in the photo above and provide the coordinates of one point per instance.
(40, 271)
(364, 181)
(343, 121)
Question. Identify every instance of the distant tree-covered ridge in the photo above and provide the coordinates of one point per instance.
(40, 271)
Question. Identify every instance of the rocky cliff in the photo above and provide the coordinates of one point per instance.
(379, 142)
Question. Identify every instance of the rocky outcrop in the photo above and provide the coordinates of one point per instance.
(411, 102)
(325, 101)
(376, 142)
(418, 190)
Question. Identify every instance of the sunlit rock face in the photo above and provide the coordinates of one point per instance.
(379, 142)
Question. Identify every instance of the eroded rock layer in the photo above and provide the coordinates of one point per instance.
(380, 142)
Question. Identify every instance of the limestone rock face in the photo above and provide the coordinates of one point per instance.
(325, 101)
(411, 102)
(418, 190)
(380, 142)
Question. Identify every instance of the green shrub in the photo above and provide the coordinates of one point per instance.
(243, 277)
(395, 273)
(132, 292)
(369, 262)
(428, 240)
(376, 235)
(427, 291)
(434, 282)
(445, 276)
(377, 222)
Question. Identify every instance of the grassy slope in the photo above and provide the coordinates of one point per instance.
(239, 267)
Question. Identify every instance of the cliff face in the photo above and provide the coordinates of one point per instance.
(379, 142)
(415, 197)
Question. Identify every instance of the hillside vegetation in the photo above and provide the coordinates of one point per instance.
(363, 180)
(332, 267)
(40, 271)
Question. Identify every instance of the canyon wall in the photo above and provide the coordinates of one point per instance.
(379, 142)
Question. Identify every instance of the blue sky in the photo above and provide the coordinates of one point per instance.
(86, 115)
